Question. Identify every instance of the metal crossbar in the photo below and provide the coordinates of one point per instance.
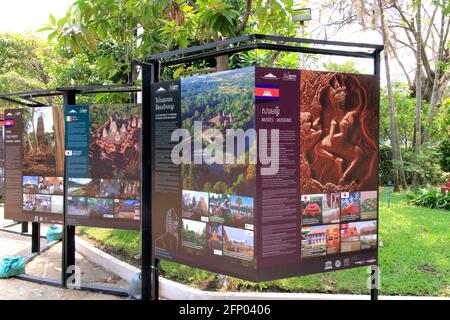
(266, 42)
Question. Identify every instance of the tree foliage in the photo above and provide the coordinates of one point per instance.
(134, 29)
(26, 63)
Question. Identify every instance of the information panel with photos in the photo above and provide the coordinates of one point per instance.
(103, 161)
(34, 164)
(312, 207)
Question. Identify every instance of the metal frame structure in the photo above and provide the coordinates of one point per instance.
(68, 94)
(151, 71)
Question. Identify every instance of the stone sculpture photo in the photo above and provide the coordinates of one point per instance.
(339, 121)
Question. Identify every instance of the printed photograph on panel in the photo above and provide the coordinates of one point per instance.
(115, 144)
(43, 142)
(339, 132)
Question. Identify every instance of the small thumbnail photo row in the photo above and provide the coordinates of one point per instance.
(103, 208)
(323, 240)
(103, 188)
(218, 239)
(233, 210)
(43, 203)
(43, 185)
(317, 209)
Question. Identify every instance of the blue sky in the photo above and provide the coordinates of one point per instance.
(27, 179)
(239, 234)
(246, 201)
(47, 115)
(196, 226)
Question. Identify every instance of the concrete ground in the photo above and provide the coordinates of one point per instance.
(48, 265)
(14, 245)
(14, 289)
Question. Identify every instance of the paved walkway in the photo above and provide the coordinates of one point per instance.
(14, 289)
(14, 245)
(48, 265)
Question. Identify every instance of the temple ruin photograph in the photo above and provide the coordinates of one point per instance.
(115, 144)
(43, 144)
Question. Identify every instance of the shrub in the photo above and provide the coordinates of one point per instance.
(425, 166)
(429, 197)
(385, 164)
(444, 149)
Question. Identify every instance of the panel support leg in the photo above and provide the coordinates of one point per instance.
(24, 227)
(68, 258)
(35, 237)
(374, 282)
(69, 254)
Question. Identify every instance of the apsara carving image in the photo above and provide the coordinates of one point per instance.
(338, 139)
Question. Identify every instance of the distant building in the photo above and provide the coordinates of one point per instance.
(350, 234)
(369, 230)
(316, 237)
(221, 118)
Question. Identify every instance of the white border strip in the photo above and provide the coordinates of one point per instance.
(172, 290)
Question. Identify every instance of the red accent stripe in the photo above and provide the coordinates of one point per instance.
(259, 92)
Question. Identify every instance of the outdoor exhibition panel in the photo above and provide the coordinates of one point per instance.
(103, 165)
(34, 164)
(312, 210)
(24, 131)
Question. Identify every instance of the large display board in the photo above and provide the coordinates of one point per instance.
(34, 164)
(103, 165)
(310, 208)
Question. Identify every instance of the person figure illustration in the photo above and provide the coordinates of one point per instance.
(169, 240)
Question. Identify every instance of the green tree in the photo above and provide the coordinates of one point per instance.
(27, 63)
(134, 29)
(348, 67)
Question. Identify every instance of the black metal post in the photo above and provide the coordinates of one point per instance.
(24, 227)
(146, 245)
(35, 237)
(155, 262)
(376, 62)
(374, 269)
(68, 258)
(150, 265)
(374, 282)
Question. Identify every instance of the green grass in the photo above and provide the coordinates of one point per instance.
(126, 244)
(415, 259)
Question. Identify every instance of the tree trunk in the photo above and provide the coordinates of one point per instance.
(402, 66)
(58, 127)
(434, 93)
(418, 78)
(30, 145)
(222, 63)
(395, 140)
(418, 126)
(34, 132)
